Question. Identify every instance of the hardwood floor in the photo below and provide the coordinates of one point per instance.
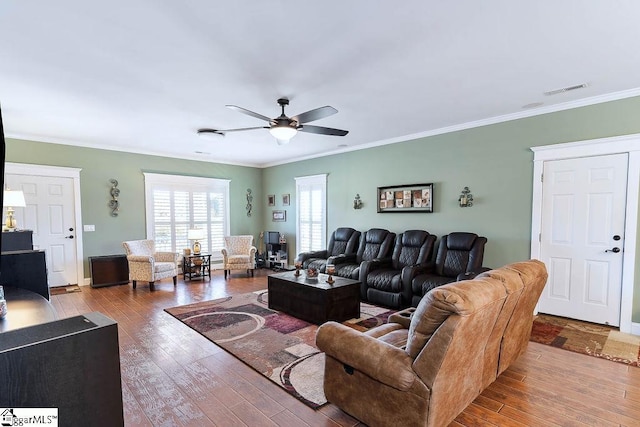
(172, 376)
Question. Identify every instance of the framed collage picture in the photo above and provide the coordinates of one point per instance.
(406, 198)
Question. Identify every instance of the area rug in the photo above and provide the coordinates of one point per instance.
(587, 338)
(279, 346)
(62, 290)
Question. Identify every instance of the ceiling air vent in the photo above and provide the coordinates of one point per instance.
(566, 89)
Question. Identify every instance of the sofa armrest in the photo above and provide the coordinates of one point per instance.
(140, 258)
(381, 361)
(166, 256)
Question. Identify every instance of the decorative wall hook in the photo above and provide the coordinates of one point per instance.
(249, 201)
(357, 202)
(466, 198)
(114, 205)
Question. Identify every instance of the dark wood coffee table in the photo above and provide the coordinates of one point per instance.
(314, 300)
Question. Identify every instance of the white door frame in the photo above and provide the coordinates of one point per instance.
(596, 147)
(62, 172)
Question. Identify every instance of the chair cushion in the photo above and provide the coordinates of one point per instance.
(385, 280)
(238, 259)
(350, 271)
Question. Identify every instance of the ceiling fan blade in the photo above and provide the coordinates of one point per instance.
(322, 130)
(318, 113)
(249, 113)
(241, 129)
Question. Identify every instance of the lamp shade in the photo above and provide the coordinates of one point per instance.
(14, 199)
(283, 133)
(195, 234)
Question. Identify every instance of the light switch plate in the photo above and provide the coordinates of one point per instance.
(89, 227)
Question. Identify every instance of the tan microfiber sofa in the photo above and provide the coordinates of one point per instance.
(427, 364)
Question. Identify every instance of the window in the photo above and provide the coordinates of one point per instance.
(175, 204)
(311, 207)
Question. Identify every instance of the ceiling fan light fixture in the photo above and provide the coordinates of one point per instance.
(283, 133)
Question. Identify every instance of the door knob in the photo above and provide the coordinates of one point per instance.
(614, 250)
(71, 237)
(616, 237)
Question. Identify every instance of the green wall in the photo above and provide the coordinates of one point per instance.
(98, 166)
(494, 161)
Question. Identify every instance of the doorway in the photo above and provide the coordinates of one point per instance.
(580, 275)
(52, 196)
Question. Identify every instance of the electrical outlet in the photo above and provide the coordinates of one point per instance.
(89, 227)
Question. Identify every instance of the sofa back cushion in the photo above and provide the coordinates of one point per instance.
(412, 247)
(375, 243)
(459, 252)
(343, 240)
(451, 361)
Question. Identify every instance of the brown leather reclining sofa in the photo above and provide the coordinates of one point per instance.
(427, 364)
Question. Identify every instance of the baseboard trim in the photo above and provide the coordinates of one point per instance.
(635, 328)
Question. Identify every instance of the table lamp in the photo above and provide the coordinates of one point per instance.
(196, 234)
(10, 200)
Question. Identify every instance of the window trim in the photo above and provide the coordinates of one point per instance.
(320, 179)
(151, 179)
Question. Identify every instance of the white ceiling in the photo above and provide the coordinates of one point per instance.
(144, 75)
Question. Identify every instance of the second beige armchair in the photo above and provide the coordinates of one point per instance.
(238, 254)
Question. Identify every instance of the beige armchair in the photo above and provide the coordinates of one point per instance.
(238, 254)
(148, 265)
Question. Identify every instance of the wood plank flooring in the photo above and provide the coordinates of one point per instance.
(172, 376)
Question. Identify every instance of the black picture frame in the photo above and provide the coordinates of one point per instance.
(279, 216)
(406, 198)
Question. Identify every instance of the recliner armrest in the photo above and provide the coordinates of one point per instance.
(302, 257)
(468, 275)
(381, 361)
(342, 259)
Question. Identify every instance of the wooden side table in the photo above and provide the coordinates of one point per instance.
(196, 266)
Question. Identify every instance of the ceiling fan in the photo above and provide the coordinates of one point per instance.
(284, 128)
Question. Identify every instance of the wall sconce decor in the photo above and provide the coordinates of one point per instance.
(357, 202)
(249, 200)
(466, 198)
(114, 205)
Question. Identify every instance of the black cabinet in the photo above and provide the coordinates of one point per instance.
(72, 364)
(25, 270)
(17, 240)
(108, 270)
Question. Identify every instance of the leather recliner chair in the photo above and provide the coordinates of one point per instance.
(374, 243)
(388, 281)
(459, 257)
(343, 241)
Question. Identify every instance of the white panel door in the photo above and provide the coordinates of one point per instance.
(50, 213)
(583, 209)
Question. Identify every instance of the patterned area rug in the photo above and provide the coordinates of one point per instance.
(586, 338)
(279, 346)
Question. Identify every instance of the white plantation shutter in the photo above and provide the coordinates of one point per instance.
(176, 204)
(311, 200)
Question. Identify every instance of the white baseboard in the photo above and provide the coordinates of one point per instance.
(86, 282)
(635, 328)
